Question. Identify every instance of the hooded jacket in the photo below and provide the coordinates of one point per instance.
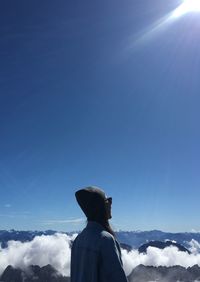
(96, 256)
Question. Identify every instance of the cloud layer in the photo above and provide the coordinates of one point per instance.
(42, 250)
(169, 256)
(55, 250)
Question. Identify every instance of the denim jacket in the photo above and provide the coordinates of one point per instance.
(96, 256)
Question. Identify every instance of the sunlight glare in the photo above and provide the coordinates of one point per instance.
(186, 7)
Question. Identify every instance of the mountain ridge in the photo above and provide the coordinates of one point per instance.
(162, 245)
(133, 238)
(140, 273)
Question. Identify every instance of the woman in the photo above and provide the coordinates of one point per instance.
(96, 254)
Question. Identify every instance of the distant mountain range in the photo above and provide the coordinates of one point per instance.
(132, 238)
(139, 274)
(33, 274)
(165, 274)
(22, 236)
(136, 238)
(161, 245)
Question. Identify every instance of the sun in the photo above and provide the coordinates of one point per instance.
(192, 5)
(186, 7)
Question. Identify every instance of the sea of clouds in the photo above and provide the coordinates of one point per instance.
(55, 250)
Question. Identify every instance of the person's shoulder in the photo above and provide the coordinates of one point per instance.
(73, 241)
(106, 238)
(77, 238)
(106, 235)
(108, 243)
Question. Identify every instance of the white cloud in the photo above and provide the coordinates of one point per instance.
(55, 250)
(8, 215)
(157, 257)
(195, 231)
(7, 205)
(15, 214)
(194, 246)
(63, 221)
(42, 250)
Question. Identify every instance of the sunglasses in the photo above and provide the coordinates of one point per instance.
(109, 200)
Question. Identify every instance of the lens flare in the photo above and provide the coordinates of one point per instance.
(187, 6)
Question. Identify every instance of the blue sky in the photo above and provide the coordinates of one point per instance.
(96, 93)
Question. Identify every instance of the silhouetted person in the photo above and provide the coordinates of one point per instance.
(96, 254)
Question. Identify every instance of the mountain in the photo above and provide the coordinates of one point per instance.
(162, 245)
(125, 247)
(22, 236)
(136, 238)
(128, 241)
(139, 274)
(132, 238)
(165, 274)
(33, 274)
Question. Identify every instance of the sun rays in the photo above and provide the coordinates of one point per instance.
(187, 6)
